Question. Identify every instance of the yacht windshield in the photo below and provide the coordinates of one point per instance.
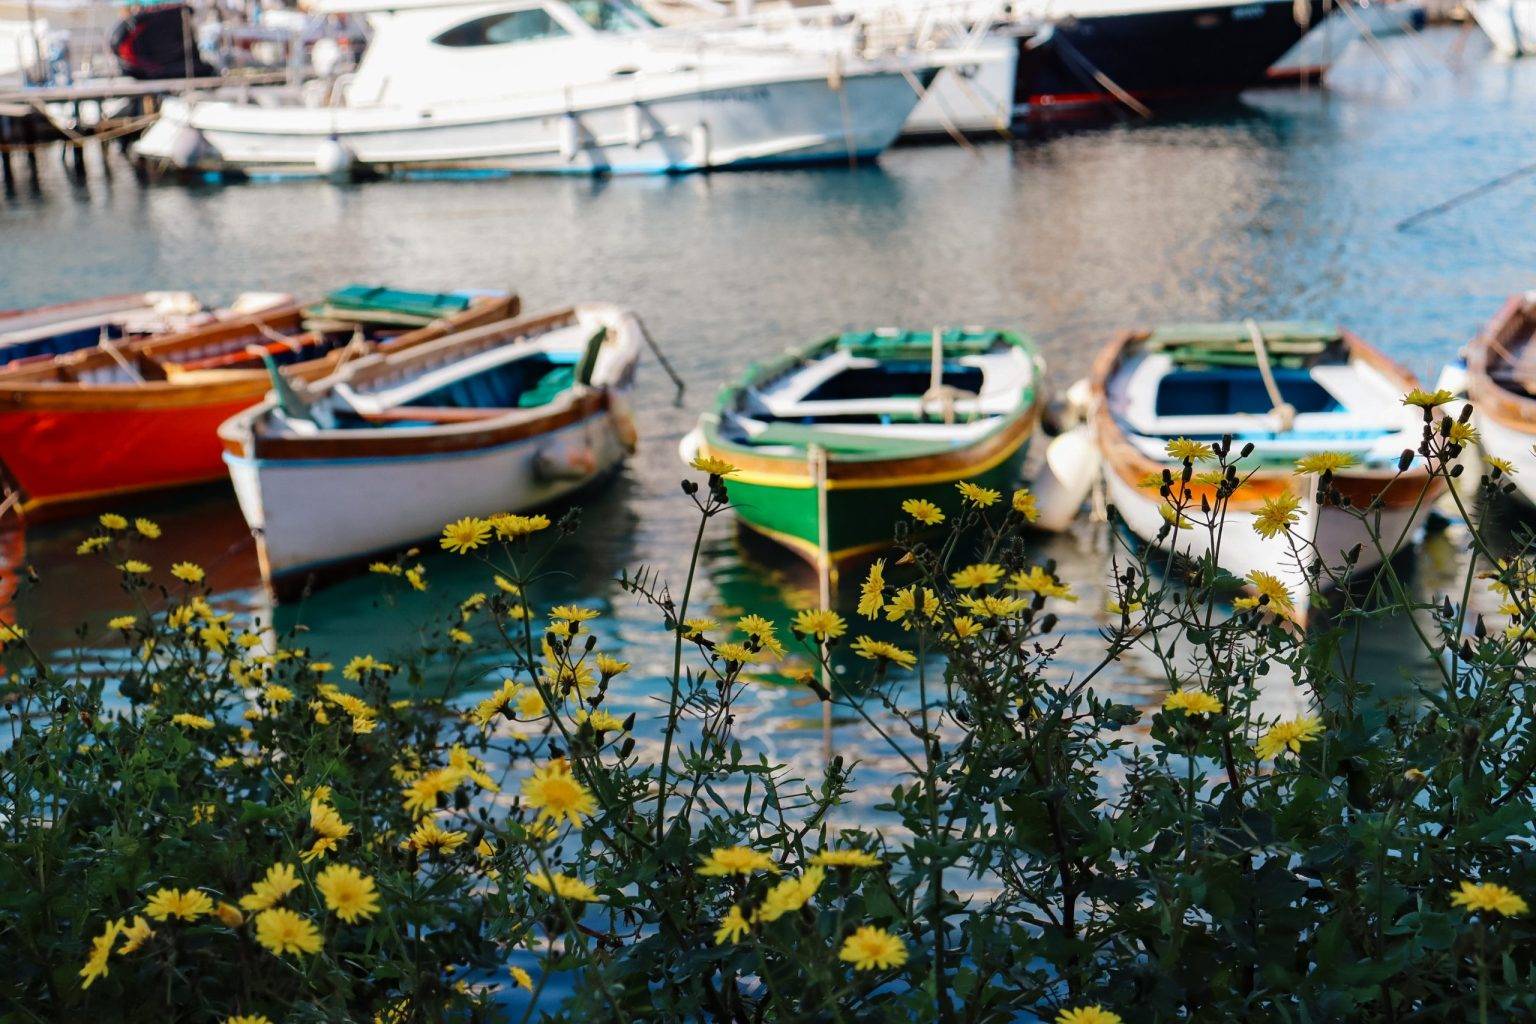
(612, 15)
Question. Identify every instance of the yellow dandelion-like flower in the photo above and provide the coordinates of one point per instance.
(229, 915)
(600, 721)
(188, 572)
(187, 904)
(1192, 702)
(511, 527)
(872, 591)
(1489, 897)
(1035, 580)
(712, 465)
(91, 544)
(348, 892)
(1427, 399)
(923, 510)
(1277, 515)
(735, 860)
(134, 567)
(1024, 504)
(429, 837)
(764, 630)
(846, 859)
(1464, 434)
(461, 636)
(1324, 462)
(385, 568)
(556, 794)
(1504, 466)
(879, 650)
(1088, 1015)
(564, 886)
(873, 949)
(464, 535)
(1185, 450)
(112, 521)
(363, 664)
(741, 654)
(520, 978)
(697, 627)
(821, 623)
(963, 627)
(248, 1018)
(416, 576)
(789, 895)
(135, 935)
(530, 704)
(981, 574)
(981, 497)
(1269, 586)
(122, 622)
(147, 528)
(282, 931)
(610, 667)
(96, 965)
(1288, 735)
(733, 927)
(192, 721)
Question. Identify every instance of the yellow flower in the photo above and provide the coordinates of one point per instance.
(385, 568)
(121, 622)
(520, 977)
(429, 837)
(101, 949)
(134, 567)
(1502, 465)
(1035, 580)
(564, 886)
(1173, 517)
(1427, 399)
(739, 653)
(873, 949)
(963, 628)
(1489, 896)
(905, 602)
(90, 544)
(764, 630)
(465, 535)
(1024, 504)
(1288, 735)
(279, 881)
(189, 904)
(1277, 515)
(188, 572)
(1192, 702)
(510, 527)
(1270, 587)
(846, 859)
(112, 521)
(982, 574)
(248, 1018)
(1464, 434)
(192, 721)
(1185, 450)
(610, 667)
(282, 931)
(363, 664)
(276, 693)
(530, 704)
(348, 892)
(697, 627)
(821, 623)
(135, 935)
(789, 895)
(1087, 1015)
(981, 497)
(229, 915)
(460, 636)
(557, 795)
(1324, 462)
(506, 586)
(147, 528)
(735, 860)
(924, 511)
(600, 721)
(712, 465)
(879, 650)
(416, 576)
(872, 591)
(733, 927)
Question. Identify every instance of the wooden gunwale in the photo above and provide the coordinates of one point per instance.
(1360, 484)
(1492, 399)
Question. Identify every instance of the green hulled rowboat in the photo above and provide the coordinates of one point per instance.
(896, 418)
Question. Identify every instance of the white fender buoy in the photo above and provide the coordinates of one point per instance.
(564, 463)
(570, 137)
(333, 159)
(700, 140)
(1079, 402)
(1065, 479)
(186, 148)
(636, 125)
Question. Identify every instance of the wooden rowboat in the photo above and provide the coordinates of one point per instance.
(1501, 383)
(36, 335)
(896, 418)
(119, 418)
(506, 417)
(1203, 381)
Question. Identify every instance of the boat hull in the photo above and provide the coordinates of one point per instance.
(804, 120)
(1509, 24)
(1322, 47)
(1505, 413)
(1156, 55)
(974, 99)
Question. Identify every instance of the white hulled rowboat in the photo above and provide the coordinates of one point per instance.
(1203, 381)
(555, 86)
(504, 418)
(1501, 383)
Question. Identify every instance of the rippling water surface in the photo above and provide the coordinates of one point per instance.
(1280, 204)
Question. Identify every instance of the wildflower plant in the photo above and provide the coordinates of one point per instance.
(221, 829)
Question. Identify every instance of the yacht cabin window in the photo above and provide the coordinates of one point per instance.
(499, 29)
(612, 15)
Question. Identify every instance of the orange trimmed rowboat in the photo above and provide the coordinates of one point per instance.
(1202, 381)
(118, 418)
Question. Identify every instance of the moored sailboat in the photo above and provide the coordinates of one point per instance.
(504, 418)
(1292, 390)
(878, 416)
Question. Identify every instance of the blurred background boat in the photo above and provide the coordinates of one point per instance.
(1509, 24)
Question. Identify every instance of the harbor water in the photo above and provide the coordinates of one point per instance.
(1278, 204)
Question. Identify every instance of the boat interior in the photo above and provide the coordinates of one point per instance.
(484, 373)
(1511, 353)
(31, 336)
(872, 390)
(1204, 381)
